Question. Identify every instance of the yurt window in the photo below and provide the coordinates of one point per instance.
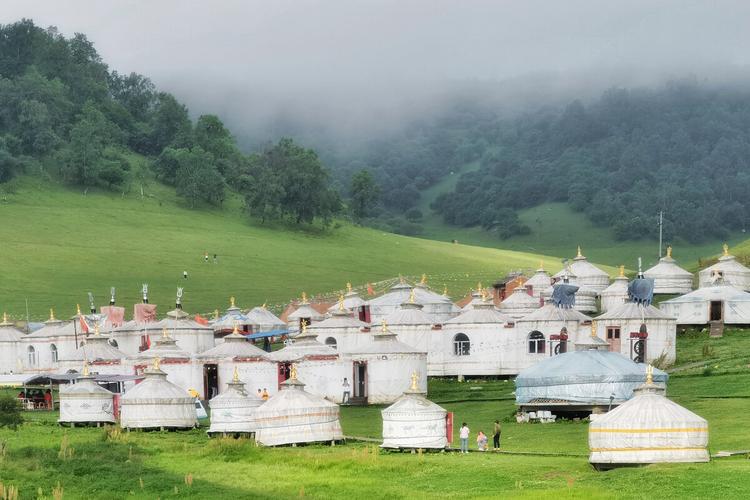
(613, 332)
(32, 356)
(536, 342)
(461, 345)
(53, 348)
(331, 342)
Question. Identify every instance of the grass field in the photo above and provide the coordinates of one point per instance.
(539, 461)
(59, 244)
(556, 230)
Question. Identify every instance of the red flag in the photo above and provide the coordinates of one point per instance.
(84, 324)
(201, 320)
(370, 291)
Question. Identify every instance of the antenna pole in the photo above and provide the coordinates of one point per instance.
(661, 225)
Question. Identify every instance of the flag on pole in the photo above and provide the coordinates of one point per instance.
(84, 323)
(370, 291)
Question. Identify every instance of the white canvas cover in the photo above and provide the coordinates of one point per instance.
(694, 308)
(588, 274)
(232, 316)
(649, 428)
(439, 307)
(235, 345)
(414, 422)
(732, 272)
(615, 294)
(85, 401)
(190, 335)
(669, 278)
(10, 353)
(264, 320)
(233, 411)
(157, 403)
(583, 377)
(296, 416)
(539, 281)
(519, 303)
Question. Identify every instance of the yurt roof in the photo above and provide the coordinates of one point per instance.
(176, 319)
(154, 387)
(414, 403)
(667, 268)
(232, 315)
(339, 319)
(409, 314)
(130, 326)
(726, 263)
(235, 345)
(262, 316)
(9, 332)
(352, 300)
(618, 287)
(305, 311)
(585, 367)
(400, 292)
(163, 348)
(540, 278)
(720, 292)
(384, 342)
(549, 312)
(84, 385)
(519, 298)
(292, 398)
(235, 392)
(481, 312)
(631, 310)
(96, 348)
(302, 347)
(55, 328)
(582, 268)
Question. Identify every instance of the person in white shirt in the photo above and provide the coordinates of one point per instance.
(464, 435)
(345, 386)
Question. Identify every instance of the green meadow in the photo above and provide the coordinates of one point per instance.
(537, 461)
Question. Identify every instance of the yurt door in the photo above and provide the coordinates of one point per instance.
(613, 338)
(360, 382)
(716, 310)
(284, 372)
(210, 381)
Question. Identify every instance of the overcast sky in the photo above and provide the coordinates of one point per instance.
(301, 50)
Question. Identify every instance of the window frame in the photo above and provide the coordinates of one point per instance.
(461, 346)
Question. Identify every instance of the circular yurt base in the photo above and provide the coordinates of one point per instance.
(72, 424)
(159, 429)
(332, 442)
(230, 434)
(390, 449)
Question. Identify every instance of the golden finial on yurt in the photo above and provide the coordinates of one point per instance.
(414, 380)
(85, 368)
(622, 271)
(164, 333)
(235, 376)
(411, 296)
(157, 365)
(649, 375)
(579, 254)
(263, 306)
(52, 314)
(216, 314)
(541, 265)
(293, 372)
(304, 298)
(484, 294)
(384, 326)
(593, 330)
(479, 286)
(78, 309)
(726, 249)
(349, 287)
(423, 281)
(341, 302)
(445, 290)
(400, 278)
(304, 326)
(5, 317)
(236, 329)
(96, 328)
(669, 251)
(231, 301)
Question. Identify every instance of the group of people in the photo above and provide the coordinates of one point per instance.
(263, 394)
(482, 439)
(37, 397)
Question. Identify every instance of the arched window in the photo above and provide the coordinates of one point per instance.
(53, 349)
(536, 342)
(32, 356)
(112, 342)
(461, 345)
(331, 342)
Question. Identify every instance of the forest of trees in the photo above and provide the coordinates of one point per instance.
(64, 114)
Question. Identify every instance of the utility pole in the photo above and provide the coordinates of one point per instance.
(661, 225)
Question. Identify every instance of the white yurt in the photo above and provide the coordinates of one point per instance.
(384, 366)
(353, 303)
(727, 268)
(233, 411)
(98, 352)
(579, 381)
(719, 302)
(303, 313)
(225, 324)
(156, 403)
(341, 330)
(414, 422)
(439, 307)
(585, 300)
(616, 293)
(669, 278)
(174, 361)
(519, 303)
(639, 331)
(477, 297)
(587, 274)
(295, 416)
(86, 402)
(10, 347)
(539, 281)
(190, 335)
(45, 347)
(262, 320)
(647, 429)
(129, 336)
(237, 354)
(411, 323)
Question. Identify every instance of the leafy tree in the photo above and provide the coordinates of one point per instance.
(10, 412)
(170, 124)
(197, 178)
(364, 193)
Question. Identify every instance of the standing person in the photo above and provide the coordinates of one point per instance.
(345, 387)
(482, 441)
(48, 399)
(496, 436)
(205, 257)
(215, 259)
(184, 274)
(464, 435)
(265, 395)
(260, 394)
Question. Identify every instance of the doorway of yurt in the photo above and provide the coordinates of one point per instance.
(360, 383)
(716, 310)
(210, 381)
(285, 371)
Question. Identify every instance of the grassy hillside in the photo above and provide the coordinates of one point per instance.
(556, 229)
(539, 461)
(58, 244)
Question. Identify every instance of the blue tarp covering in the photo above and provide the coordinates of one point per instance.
(583, 377)
(270, 333)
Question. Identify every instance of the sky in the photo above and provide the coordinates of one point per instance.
(257, 58)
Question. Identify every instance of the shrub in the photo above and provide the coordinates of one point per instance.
(10, 412)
